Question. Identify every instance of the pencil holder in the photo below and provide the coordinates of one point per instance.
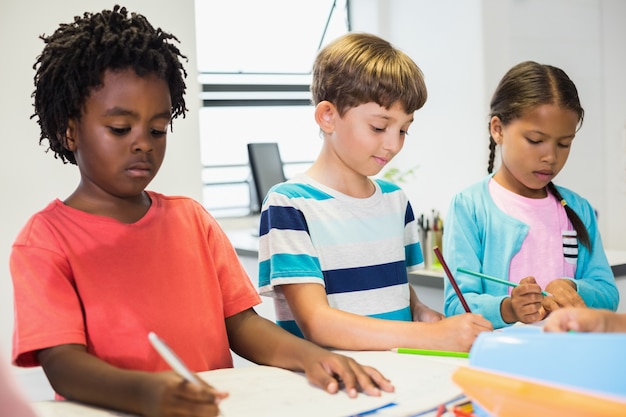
(432, 239)
(424, 246)
(436, 239)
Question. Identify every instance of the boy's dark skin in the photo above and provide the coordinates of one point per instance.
(119, 143)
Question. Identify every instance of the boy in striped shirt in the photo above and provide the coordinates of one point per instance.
(336, 246)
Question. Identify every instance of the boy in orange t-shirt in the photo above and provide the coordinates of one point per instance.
(95, 273)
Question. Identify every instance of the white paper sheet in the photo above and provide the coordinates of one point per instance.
(422, 383)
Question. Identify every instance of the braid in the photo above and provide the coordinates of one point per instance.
(579, 226)
(77, 54)
(492, 154)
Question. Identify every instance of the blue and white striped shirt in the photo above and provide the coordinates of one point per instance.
(359, 249)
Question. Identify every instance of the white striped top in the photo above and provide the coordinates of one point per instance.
(359, 249)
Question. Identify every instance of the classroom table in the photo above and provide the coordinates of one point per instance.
(530, 386)
(422, 384)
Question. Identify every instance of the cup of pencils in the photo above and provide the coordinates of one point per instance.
(431, 236)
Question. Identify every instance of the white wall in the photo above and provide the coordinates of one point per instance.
(566, 34)
(447, 139)
(613, 14)
(29, 177)
(464, 47)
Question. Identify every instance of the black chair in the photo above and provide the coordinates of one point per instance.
(266, 167)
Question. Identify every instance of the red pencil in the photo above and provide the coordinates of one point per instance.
(451, 278)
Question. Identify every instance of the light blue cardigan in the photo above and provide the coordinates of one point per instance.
(478, 236)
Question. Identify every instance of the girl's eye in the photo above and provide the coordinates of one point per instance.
(534, 142)
(378, 129)
(157, 132)
(564, 145)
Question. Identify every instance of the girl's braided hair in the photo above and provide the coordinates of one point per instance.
(524, 87)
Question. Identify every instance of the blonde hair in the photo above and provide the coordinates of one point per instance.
(360, 68)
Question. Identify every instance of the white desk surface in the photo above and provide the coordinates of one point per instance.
(422, 383)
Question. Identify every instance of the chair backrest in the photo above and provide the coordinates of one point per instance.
(266, 167)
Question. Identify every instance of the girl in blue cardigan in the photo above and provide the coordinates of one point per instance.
(516, 224)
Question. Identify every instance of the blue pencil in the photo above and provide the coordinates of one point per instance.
(494, 279)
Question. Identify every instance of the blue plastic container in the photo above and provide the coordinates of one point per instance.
(594, 362)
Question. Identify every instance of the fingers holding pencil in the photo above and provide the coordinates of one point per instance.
(168, 395)
(526, 301)
(457, 333)
(175, 397)
(494, 279)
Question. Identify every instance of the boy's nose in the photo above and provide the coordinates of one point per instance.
(142, 142)
(393, 144)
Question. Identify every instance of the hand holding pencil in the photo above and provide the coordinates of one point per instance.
(192, 396)
(466, 324)
(524, 304)
(494, 279)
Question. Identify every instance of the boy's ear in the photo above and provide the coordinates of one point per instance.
(496, 129)
(68, 141)
(325, 114)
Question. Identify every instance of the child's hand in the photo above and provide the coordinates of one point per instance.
(458, 332)
(563, 294)
(169, 395)
(526, 302)
(332, 372)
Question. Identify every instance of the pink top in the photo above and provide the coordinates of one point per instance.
(542, 252)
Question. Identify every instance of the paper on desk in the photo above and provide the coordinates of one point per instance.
(422, 382)
(255, 391)
(264, 391)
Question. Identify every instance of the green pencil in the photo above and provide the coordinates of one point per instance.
(494, 279)
(429, 352)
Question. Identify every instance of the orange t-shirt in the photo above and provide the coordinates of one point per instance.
(88, 279)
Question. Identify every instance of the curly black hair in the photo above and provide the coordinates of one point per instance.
(76, 56)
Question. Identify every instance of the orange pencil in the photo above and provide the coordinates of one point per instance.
(458, 412)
